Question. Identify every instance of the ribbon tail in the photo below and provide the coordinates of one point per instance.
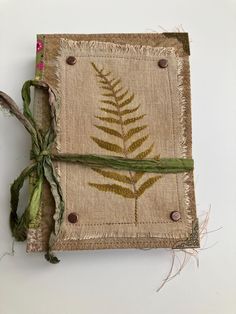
(8, 103)
(31, 215)
(51, 177)
(32, 211)
(19, 226)
(25, 93)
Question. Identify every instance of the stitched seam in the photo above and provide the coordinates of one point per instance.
(66, 134)
(127, 223)
(119, 241)
(119, 57)
(156, 242)
(173, 132)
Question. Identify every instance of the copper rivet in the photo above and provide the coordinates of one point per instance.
(163, 63)
(72, 218)
(71, 60)
(175, 216)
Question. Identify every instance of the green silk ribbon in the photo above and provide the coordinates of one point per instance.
(43, 168)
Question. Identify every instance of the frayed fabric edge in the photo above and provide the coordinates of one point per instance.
(89, 48)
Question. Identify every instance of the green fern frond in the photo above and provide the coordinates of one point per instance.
(106, 87)
(113, 175)
(113, 85)
(109, 130)
(137, 176)
(109, 102)
(115, 112)
(120, 113)
(106, 74)
(145, 153)
(127, 101)
(108, 146)
(127, 111)
(108, 94)
(134, 131)
(147, 184)
(118, 90)
(132, 120)
(102, 81)
(108, 119)
(136, 144)
(118, 97)
(114, 188)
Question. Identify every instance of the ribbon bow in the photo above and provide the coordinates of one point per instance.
(43, 167)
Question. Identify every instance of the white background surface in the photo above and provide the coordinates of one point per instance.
(124, 281)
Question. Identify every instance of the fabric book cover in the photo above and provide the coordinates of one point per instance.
(125, 95)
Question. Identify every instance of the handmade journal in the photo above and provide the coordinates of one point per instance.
(111, 160)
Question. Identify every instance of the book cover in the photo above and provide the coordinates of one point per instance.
(125, 95)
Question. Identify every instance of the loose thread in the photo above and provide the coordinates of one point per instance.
(187, 254)
(12, 253)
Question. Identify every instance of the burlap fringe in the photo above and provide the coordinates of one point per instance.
(85, 232)
(91, 48)
(183, 101)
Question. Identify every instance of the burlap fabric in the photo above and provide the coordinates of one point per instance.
(118, 208)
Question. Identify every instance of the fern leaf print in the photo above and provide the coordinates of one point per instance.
(124, 123)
